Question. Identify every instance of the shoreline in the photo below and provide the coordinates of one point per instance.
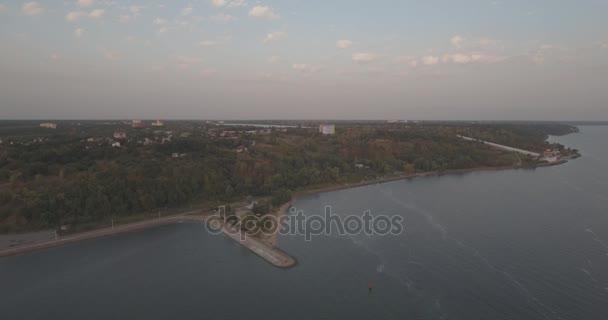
(263, 248)
(347, 185)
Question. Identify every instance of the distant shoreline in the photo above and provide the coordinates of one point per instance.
(343, 186)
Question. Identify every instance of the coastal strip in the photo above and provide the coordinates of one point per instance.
(267, 250)
(407, 176)
(98, 233)
(271, 254)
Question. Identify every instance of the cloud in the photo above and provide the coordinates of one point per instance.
(430, 60)
(218, 3)
(111, 55)
(457, 41)
(344, 44)
(32, 9)
(222, 18)
(160, 21)
(136, 10)
(84, 3)
(276, 59)
(305, 68)
(186, 11)
(460, 58)
(73, 16)
(262, 12)
(206, 43)
(365, 57)
(187, 61)
(411, 61)
(237, 4)
(78, 33)
(55, 57)
(546, 52)
(2, 8)
(97, 13)
(275, 36)
(488, 43)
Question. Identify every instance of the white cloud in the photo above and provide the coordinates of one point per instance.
(222, 18)
(206, 43)
(187, 11)
(305, 68)
(32, 9)
(237, 4)
(460, 58)
(160, 21)
(276, 59)
(77, 15)
(218, 3)
(344, 44)
(74, 15)
(411, 61)
(365, 57)
(457, 41)
(85, 3)
(275, 36)
(111, 55)
(430, 60)
(78, 33)
(263, 12)
(97, 13)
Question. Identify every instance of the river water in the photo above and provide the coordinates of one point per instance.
(513, 244)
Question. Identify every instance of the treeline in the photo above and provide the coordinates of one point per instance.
(65, 180)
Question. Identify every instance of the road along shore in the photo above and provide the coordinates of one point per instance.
(272, 255)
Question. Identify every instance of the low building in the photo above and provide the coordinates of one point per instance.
(120, 135)
(116, 144)
(158, 123)
(327, 129)
(48, 125)
(551, 155)
(137, 124)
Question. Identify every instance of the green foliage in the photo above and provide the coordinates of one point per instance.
(65, 179)
(280, 197)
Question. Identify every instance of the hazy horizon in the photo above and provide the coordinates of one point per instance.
(238, 59)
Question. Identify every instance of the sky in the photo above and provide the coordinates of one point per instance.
(304, 59)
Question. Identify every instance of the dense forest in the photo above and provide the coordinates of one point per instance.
(81, 173)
